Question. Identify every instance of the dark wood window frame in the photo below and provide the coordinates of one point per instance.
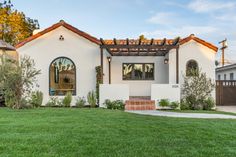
(143, 73)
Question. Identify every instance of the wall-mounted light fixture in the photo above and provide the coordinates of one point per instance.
(109, 59)
(61, 38)
(109, 68)
(166, 61)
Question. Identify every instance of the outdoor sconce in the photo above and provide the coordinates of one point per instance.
(166, 61)
(61, 38)
(109, 59)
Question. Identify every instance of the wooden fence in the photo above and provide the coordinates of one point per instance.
(226, 93)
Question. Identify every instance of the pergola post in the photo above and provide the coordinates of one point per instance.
(177, 65)
(101, 54)
(109, 67)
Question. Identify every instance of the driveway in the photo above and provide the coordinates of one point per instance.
(226, 108)
(183, 115)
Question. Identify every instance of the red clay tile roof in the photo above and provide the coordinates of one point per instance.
(55, 26)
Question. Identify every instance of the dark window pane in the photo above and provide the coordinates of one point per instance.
(231, 76)
(127, 71)
(191, 68)
(149, 71)
(62, 77)
(138, 71)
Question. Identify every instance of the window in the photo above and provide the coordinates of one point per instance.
(191, 68)
(62, 77)
(219, 77)
(231, 76)
(138, 71)
(224, 76)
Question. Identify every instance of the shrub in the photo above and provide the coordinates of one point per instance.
(53, 102)
(174, 105)
(80, 102)
(164, 103)
(208, 104)
(67, 99)
(108, 103)
(36, 99)
(91, 99)
(114, 105)
(26, 104)
(119, 105)
(184, 105)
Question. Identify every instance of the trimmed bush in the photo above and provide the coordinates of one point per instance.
(80, 102)
(164, 103)
(91, 99)
(36, 99)
(67, 99)
(114, 105)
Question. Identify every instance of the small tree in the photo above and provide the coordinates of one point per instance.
(15, 26)
(196, 89)
(17, 81)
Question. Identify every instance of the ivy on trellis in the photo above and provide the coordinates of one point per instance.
(98, 80)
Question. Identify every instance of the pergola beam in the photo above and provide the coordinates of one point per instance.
(140, 48)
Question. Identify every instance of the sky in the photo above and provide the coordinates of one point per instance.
(211, 20)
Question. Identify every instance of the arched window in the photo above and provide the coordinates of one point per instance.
(62, 76)
(191, 68)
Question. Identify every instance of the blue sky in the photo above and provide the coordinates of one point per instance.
(211, 20)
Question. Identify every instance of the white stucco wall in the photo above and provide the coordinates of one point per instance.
(84, 53)
(204, 56)
(165, 91)
(113, 92)
(143, 87)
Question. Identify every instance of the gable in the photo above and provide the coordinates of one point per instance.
(55, 26)
(200, 41)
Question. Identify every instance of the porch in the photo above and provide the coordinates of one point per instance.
(139, 71)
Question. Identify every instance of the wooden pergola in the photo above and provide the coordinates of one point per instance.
(140, 47)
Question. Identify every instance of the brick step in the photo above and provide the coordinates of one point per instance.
(140, 105)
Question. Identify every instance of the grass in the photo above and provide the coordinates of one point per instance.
(201, 111)
(97, 132)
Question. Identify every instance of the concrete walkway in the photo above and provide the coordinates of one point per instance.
(184, 115)
(226, 108)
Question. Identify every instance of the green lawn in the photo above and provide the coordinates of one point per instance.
(97, 132)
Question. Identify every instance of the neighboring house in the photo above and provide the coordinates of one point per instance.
(227, 72)
(7, 51)
(150, 69)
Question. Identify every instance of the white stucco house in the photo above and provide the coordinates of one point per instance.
(227, 72)
(132, 68)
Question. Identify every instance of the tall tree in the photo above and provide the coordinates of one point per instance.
(14, 25)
